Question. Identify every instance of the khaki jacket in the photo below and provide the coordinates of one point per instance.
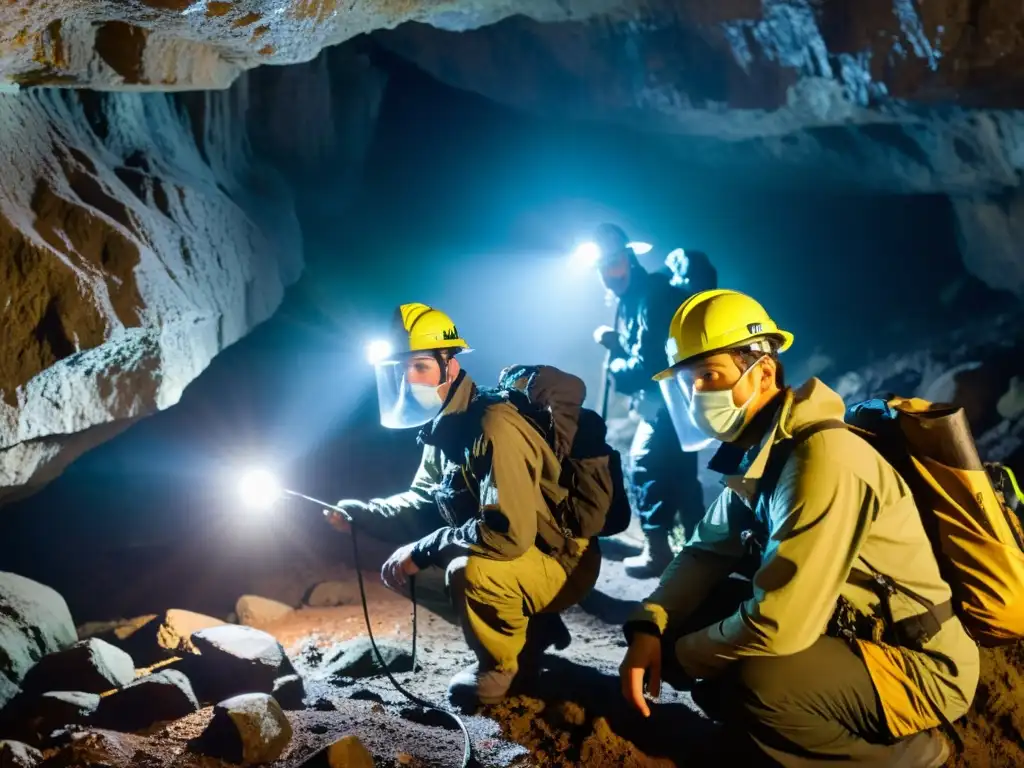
(837, 506)
(510, 513)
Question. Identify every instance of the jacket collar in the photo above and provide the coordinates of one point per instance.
(461, 394)
(792, 411)
(743, 467)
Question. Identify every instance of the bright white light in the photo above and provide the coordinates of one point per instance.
(586, 254)
(376, 351)
(639, 248)
(259, 489)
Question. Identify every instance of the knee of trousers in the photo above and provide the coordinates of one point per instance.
(482, 576)
(764, 685)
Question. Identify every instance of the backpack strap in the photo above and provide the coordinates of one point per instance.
(913, 631)
(782, 450)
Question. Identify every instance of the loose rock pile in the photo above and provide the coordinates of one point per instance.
(135, 676)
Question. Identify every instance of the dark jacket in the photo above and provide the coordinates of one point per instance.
(507, 467)
(642, 321)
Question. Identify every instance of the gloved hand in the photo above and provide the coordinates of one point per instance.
(353, 507)
(609, 339)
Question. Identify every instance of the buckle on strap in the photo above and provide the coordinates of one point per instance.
(913, 631)
(916, 631)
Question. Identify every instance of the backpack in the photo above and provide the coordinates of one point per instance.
(690, 270)
(551, 401)
(975, 534)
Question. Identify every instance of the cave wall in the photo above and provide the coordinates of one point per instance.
(890, 96)
(139, 238)
(206, 44)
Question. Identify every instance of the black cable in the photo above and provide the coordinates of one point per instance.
(412, 596)
(467, 754)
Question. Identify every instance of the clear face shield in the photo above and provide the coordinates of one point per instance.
(677, 402)
(705, 415)
(407, 390)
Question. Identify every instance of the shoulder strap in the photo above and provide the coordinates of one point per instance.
(782, 450)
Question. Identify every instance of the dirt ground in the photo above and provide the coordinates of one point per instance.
(571, 715)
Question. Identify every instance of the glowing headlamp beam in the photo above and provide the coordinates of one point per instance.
(260, 489)
(378, 351)
(587, 254)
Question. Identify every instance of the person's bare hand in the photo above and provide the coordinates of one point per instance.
(399, 567)
(642, 659)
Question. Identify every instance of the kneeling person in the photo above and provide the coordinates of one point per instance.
(477, 520)
(819, 663)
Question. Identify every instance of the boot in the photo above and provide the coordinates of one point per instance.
(545, 630)
(653, 560)
(477, 685)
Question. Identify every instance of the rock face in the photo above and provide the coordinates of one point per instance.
(131, 256)
(248, 730)
(92, 666)
(14, 754)
(179, 44)
(152, 639)
(254, 611)
(34, 621)
(233, 660)
(137, 245)
(56, 710)
(165, 695)
(890, 96)
(973, 368)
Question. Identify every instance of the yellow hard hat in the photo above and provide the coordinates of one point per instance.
(712, 321)
(423, 328)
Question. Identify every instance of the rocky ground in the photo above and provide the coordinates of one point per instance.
(285, 686)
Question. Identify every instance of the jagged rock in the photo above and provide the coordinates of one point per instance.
(140, 240)
(249, 729)
(92, 665)
(355, 659)
(290, 692)
(328, 594)
(115, 631)
(161, 696)
(346, 752)
(160, 45)
(14, 754)
(150, 639)
(255, 611)
(1011, 405)
(798, 90)
(34, 621)
(234, 659)
(54, 710)
(96, 749)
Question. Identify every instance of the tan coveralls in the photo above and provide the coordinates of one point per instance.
(511, 555)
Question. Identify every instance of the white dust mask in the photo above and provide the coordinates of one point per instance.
(716, 414)
(427, 396)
